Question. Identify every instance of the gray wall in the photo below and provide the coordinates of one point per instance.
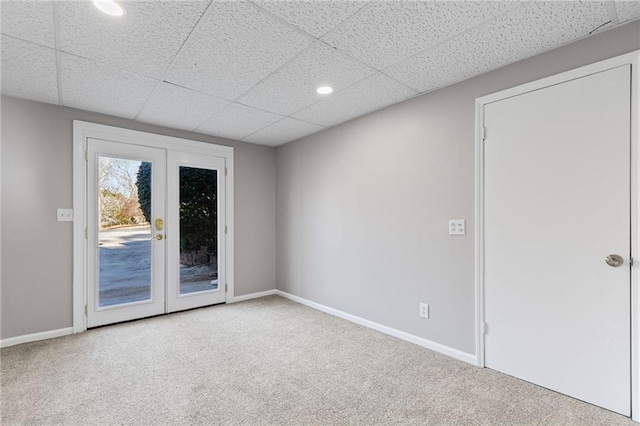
(37, 179)
(363, 208)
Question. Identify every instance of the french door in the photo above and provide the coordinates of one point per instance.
(196, 206)
(156, 233)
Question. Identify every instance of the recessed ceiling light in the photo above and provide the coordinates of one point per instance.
(109, 7)
(324, 90)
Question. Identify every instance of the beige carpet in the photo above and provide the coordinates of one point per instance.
(265, 361)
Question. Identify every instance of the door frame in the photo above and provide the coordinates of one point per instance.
(83, 130)
(633, 59)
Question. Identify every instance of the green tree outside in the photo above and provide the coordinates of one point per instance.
(198, 205)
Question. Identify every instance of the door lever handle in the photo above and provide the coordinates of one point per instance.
(157, 237)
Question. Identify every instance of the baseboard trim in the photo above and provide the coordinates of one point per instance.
(253, 296)
(437, 347)
(34, 337)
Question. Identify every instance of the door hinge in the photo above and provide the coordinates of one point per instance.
(86, 233)
(484, 133)
(225, 288)
(225, 171)
(484, 328)
(86, 311)
(225, 229)
(86, 156)
(630, 261)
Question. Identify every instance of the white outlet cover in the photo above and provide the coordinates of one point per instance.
(457, 227)
(424, 310)
(65, 215)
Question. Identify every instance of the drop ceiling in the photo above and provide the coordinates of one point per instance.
(248, 70)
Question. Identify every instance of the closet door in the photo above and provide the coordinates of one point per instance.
(557, 237)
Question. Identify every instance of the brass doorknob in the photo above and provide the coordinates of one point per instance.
(157, 237)
(614, 260)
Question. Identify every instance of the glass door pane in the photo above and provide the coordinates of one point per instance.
(198, 229)
(125, 233)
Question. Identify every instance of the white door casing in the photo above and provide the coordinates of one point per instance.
(556, 202)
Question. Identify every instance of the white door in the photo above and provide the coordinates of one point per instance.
(126, 278)
(557, 203)
(196, 223)
(140, 264)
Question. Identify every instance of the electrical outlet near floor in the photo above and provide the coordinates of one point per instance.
(424, 310)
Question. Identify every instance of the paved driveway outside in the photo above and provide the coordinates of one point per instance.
(125, 267)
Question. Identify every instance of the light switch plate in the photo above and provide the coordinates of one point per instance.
(457, 227)
(65, 215)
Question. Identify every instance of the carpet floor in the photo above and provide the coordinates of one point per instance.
(266, 361)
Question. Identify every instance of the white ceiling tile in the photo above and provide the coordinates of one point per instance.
(524, 32)
(235, 47)
(28, 71)
(144, 40)
(313, 17)
(628, 10)
(267, 56)
(283, 131)
(387, 32)
(28, 20)
(173, 106)
(100, 88)
(371, 94)
(293, 86)
(237, 121)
